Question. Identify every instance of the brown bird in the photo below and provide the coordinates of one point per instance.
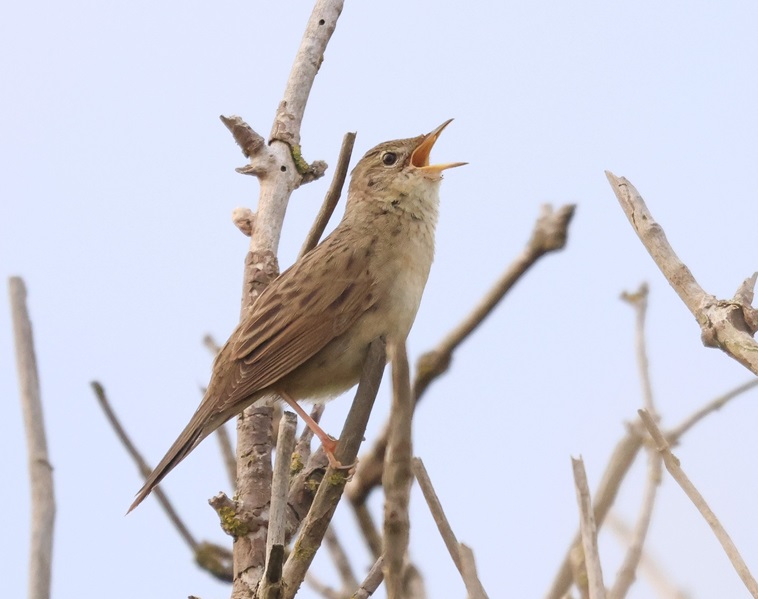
(307, 334)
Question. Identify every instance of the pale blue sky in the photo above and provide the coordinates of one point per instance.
(117, 182)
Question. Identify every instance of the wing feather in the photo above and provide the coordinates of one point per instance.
(293, 319)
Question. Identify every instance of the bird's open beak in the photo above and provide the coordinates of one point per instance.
(420, 156)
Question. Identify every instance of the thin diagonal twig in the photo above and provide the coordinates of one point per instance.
(674, 467)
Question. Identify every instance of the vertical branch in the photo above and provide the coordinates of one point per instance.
(638, 300)
(285, 444)
(397, 474)
(275, 166)
(589, 532)
(331, 488)
(40, 469)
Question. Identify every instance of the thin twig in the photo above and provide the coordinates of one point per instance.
(638, 300)
(627, 572)
(674, 467)
(142, 465)
(330, 491)
(340, 559)
(674, 434)
(397, 475)
(40, 469)
(275, 544)
(467, 570)
(589, 532)
(321, 588)
(372, 581)
(368, 529)
(664, 588)
(435, 507)
(222, 433)
(332, 195)
(227, 453)
(621, 460)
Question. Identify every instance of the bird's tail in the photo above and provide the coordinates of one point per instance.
(184, 444)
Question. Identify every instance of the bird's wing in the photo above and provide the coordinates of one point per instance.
(294, 318)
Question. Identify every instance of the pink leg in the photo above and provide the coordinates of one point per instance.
(329, 442)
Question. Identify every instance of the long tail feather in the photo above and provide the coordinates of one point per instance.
(185, 443)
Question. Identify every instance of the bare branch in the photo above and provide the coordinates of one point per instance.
(275, 544)
(638, 300)
(254, 473)
(726, 324)
(310, 55)
(589, 532)
(332, 196)
(663, 587)
(227, 453)
(618, 465)
(40, 469)
(435, 507)
(368, 529)
(673, 435)
(142, 465)
(673, 466)
(279, 170)
(627, 572)
(467, 569)
(549, 234)
(340, 559)
(330, 491)
(397, 475)
(373, 580)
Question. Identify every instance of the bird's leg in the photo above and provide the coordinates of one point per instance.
(327, 441)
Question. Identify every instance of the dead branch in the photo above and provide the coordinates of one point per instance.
(638, 300)
(340, 560)
(674, 467)
(331, 488)
(279, 168)
(397, 475)
(254, 442)
(673, 435)
(467, 569)
(649, 567)
(618, 466)
(628, 570)
(589, 532)
(40, 468)
(726, 324)
(332, 196)
(373, 580)
(275, 544)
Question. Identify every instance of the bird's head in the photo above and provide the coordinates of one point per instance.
(399, 170)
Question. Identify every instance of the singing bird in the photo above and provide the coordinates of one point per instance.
(307, 334)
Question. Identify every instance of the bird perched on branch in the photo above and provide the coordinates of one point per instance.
(307, 334)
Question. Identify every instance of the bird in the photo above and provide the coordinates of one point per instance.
(307, 334)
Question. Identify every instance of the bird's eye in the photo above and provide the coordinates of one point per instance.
(389, 158)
